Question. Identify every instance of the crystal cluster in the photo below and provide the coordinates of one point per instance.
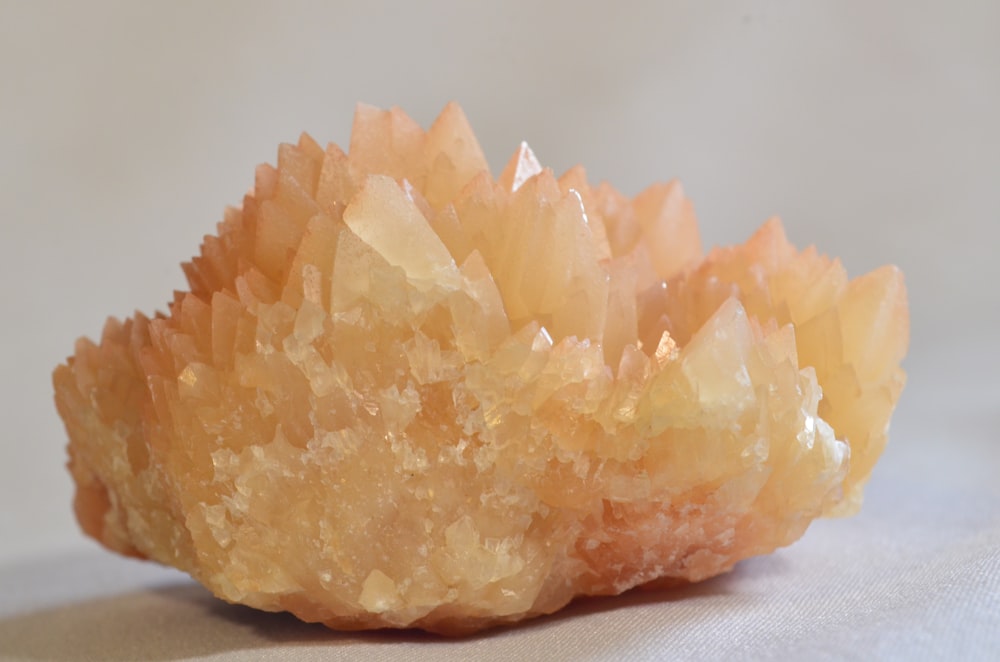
(402, 393)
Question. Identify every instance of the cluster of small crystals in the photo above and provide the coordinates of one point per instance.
(402, 393)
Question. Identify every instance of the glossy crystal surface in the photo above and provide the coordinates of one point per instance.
(402, 393)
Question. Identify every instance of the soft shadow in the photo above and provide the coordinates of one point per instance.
(180, 621)
(721, 587)
(183, 620)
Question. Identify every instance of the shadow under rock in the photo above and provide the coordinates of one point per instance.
(178, 621)
(184, 620)
(676, 601)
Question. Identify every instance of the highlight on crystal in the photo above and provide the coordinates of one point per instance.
(401, 392)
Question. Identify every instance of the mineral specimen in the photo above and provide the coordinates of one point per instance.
(402, 393)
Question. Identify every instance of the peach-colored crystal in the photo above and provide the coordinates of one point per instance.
(403, 393)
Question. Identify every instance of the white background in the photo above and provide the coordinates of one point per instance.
(872, 129)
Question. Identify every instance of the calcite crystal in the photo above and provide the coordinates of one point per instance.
(402, 393)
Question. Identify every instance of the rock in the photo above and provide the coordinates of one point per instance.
(400, 393)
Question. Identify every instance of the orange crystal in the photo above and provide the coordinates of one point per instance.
(401, 393)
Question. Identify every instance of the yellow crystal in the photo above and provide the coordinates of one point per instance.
(401, 393)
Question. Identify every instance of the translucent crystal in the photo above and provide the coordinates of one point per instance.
(400, 393)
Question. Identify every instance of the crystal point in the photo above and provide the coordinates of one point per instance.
(521, 167)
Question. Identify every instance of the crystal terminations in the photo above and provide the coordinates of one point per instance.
(402, 393)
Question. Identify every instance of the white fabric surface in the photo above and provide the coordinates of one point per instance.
(871, 128)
